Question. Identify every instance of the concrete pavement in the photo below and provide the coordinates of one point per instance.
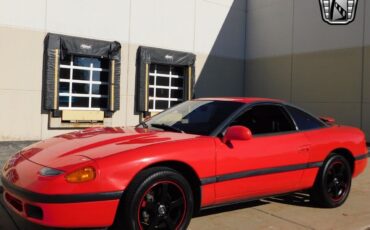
(6, 222)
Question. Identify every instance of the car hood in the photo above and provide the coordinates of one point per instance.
(93, 143)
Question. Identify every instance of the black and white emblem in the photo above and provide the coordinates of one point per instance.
(338, 12)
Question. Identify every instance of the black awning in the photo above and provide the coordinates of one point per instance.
(150, 55)
(57, 47)
(83, 46)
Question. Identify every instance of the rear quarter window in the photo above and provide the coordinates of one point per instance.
(303, 120)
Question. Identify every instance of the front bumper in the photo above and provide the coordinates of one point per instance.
(50, 201)
(82, 210)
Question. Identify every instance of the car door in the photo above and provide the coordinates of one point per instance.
(272, 162)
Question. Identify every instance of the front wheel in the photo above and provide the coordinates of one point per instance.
(158, 198)
(333, 182)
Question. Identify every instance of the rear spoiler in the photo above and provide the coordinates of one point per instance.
(328, 120)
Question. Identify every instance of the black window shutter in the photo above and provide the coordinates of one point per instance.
(114, 89)
(51, 72)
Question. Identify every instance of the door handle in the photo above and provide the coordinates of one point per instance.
(304, 148)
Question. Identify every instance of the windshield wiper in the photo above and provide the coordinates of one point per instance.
(142, 123)
(167, 127)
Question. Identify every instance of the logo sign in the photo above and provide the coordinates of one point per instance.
(85, 47)
(168, 57)
(338, 12)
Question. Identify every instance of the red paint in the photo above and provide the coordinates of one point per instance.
(237, 132)
(87, 214)
(260, 153)
(118, 155)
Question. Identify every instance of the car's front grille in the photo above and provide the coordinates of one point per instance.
(31, 211)
(34, 212)
(14, 202)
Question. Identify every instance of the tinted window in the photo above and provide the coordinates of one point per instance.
(303, 120)
(265, 119)
(197, 117)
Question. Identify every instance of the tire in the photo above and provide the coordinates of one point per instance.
(333, 182)
(158, 198)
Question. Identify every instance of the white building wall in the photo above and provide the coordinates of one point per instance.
(214, 30)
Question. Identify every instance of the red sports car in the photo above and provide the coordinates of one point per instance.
(198, 154)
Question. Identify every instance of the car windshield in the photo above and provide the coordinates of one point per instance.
(195, 117)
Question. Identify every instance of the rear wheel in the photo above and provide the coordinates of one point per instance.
(333, 182)
(158, 198)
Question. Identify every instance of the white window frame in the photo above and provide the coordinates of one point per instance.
(90, 82)
(154, 86)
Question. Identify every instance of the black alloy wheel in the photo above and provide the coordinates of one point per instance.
(337, 180)
(159, 198)
(333, 182)
(163, 206)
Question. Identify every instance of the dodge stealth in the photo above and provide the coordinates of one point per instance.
(196, 155)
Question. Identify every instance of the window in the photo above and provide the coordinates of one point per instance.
(303, 120)
(264, 119)
(83, 83)
(166, 86)
(164, 78)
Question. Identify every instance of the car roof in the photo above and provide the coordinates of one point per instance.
(246, 100)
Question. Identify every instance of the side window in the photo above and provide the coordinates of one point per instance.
(303, 120)
(264, 119)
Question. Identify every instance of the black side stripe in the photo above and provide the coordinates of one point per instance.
(362, 156)
(258, 172)
(58, 199)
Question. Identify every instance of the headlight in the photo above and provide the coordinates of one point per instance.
(81, 175)
(50, 172)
